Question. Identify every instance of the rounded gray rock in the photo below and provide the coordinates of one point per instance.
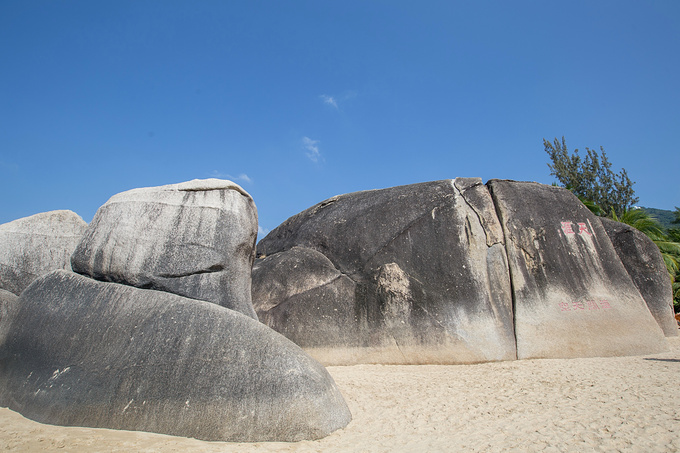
(195, 239)
(8, 302)
(79, 352)
(644, 263)
(35, 245)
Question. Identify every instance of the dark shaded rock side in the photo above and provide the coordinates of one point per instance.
(572, 295)
(644, 263)
(8, 303)
(195, 239)
(36, 245)
(409, 274)
(87, 353)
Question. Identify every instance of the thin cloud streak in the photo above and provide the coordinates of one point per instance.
(312, 148)
(241, 177)
(335, 100)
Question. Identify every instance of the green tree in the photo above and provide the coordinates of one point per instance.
(591, 178)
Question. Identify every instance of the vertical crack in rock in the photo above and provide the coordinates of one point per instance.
(458, 185)
(506, 239)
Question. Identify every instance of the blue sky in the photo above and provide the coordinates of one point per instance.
(298, 101)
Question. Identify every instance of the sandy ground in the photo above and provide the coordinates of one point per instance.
(578, 405)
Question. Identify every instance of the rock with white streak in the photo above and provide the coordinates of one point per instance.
(195, 239)
(35, 245)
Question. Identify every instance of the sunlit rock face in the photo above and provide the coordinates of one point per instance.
(36, 245)
(450, 272)
(572, 295)
(194, 239)
(410, 274)
(79, 352)
(644, 263)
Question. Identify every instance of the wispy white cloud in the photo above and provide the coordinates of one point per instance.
(312, 147)
(262, 231)
(241, 177)
(335, 100)
(329, 100)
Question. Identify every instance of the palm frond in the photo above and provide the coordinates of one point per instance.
(672, 265)
(668, 247)
(642, 221)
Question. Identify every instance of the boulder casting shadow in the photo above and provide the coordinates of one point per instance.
(86, 353)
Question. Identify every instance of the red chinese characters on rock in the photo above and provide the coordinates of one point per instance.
(568, 229)
(583, 229)
(585, 305)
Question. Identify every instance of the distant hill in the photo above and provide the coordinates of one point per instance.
(664, 217)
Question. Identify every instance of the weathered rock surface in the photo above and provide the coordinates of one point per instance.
(644, 263)
(410, 274)
(195, 239)
(88, 353)
(573, 296)
(35, 245)
(7, 305)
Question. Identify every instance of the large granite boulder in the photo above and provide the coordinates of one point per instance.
(35, 245)
(644, 263)
(195, 239)
(88, 353)
(572, 295)
(410, 274)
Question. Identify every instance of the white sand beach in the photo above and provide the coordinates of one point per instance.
(627, 404)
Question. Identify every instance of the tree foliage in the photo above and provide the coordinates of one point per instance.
(591, 178)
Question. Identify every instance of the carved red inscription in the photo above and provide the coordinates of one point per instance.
(585, 305)
(568, 229)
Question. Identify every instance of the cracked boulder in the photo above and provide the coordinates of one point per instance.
(195, 239)
(35, 245)
(644, 263)
(572, 295)
(405, 275)
(80, 352)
